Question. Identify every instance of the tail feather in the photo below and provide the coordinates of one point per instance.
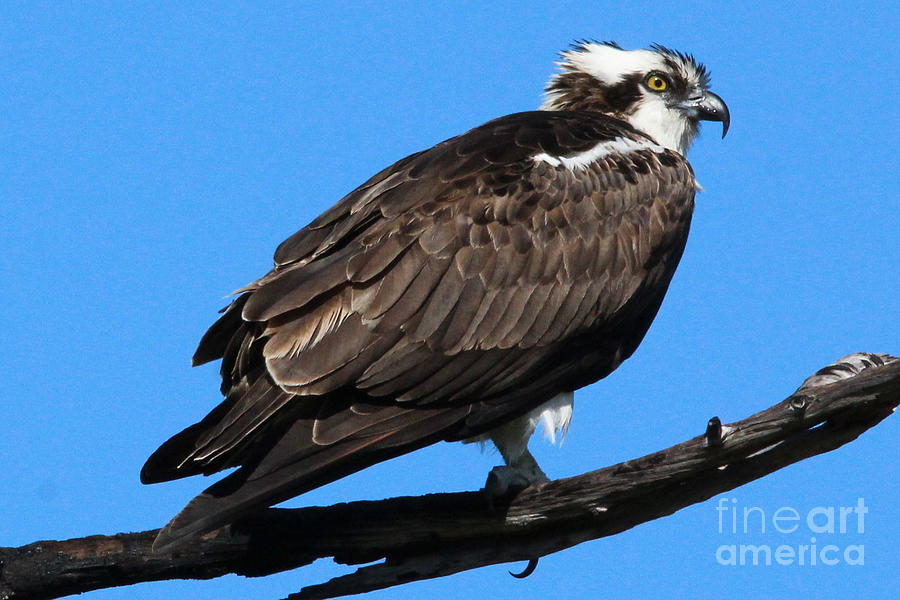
(292, 467)
(215, 341)
(240, 492)
(167, 462)
(228, 435)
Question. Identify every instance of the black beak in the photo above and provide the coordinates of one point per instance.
(708, 106)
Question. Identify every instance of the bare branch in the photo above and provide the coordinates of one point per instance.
(441, 534)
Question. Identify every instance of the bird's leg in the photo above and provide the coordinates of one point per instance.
(515, 476)
(521, 469)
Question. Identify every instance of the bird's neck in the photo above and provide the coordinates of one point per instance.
(576, 91)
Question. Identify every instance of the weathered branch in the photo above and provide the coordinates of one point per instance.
(442, 534)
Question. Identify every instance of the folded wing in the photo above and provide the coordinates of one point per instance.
(455, 290)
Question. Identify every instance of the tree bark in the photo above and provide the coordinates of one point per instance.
(441, 534)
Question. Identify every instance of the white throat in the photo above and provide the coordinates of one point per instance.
(669, 127)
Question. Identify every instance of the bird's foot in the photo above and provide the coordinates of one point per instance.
(509, 480)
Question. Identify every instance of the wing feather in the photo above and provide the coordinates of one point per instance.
(378, 297)
(408, 306)
(443, 299)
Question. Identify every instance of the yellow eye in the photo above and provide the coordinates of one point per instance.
(657, 83)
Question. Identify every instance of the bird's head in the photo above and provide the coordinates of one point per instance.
(660, 92)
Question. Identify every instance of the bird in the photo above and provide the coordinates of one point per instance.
(461, 294)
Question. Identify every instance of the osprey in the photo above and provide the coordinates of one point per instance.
(461, 294)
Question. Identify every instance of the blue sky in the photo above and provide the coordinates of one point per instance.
(154, 157)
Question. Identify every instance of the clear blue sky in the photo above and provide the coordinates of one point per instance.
(152, 158)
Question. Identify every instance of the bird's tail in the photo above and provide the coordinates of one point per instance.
(292, 466)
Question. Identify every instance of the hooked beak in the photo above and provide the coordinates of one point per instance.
(707, 106)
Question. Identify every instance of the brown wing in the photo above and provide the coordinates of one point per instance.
(453, 291)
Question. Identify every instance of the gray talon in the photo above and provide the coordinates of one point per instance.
(514, 477)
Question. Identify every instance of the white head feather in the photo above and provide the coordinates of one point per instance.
(610, 66)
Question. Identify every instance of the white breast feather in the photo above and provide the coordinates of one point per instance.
(512, 438)
(601, 150)
(555, 415)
